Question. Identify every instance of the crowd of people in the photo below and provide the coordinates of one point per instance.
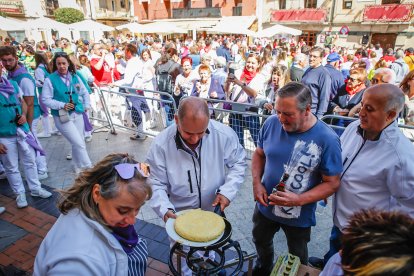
(298, 159)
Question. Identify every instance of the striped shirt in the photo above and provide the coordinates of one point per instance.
(137, 259)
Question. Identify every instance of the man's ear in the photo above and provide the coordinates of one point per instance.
(176, 119)
(391, 115)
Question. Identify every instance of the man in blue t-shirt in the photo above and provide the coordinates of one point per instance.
(296, 145)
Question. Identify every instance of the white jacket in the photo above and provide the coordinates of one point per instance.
(378, 174)
(77, 245)
(175, 170)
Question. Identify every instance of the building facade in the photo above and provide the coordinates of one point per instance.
(349, 23)
(148, 10)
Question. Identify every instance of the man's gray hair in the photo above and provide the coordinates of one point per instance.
(205, 57)
(399, 54)
(396, 99)
(220, 62)
(388, 75)
(299, 57)
(298, 90)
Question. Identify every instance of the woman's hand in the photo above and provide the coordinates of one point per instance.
(198, 87)
(22, 120)
(213, 95)
(69, 106)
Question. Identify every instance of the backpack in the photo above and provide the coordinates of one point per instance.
(164, 81)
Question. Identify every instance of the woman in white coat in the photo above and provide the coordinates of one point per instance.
(62, 93)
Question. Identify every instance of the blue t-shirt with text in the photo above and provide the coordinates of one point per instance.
(305, 157)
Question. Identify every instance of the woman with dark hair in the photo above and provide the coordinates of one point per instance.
(166, 73)
(95, 233)
(42, 71)
(62, 93)
(29, 59)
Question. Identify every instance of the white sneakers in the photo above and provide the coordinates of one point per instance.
(21, 198)
(69, 156)
(42, 175)
(43, 135)
(2, 210)
(41, 193)
(88, 139)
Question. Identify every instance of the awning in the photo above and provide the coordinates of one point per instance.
(44, 23)
(235, 25)
(277, 29)
(133, 27)
(162, 27)
(299, 15)
(388, 13)
(10, 24)
(90, 25)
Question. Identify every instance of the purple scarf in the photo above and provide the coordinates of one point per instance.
(31, 140)
(127, 237)
(18, 71)
(87, 123)
(6, 86)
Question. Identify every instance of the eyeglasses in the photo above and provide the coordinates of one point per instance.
(353, 80)
(126, 170)
(375, 81)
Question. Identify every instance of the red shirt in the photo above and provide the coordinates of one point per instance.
(388, 58)
(103, 76)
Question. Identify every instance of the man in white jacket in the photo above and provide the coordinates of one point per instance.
(195, 163)
(377, 160)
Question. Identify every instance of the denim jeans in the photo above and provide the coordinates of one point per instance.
(239, 122)
(264, 230)
(334, 243)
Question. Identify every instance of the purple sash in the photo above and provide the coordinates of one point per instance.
(87, 123)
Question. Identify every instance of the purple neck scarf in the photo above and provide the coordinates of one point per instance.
(6, 86)
(127, 237)
(18, 71)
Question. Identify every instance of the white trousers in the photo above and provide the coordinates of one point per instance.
(40, 160)
(73, 131)
(18, 148)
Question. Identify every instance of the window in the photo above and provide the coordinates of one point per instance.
(122, 4)
(187, 4)
(103, 4)
(237, 11)
(209, 3)
(310, 4)
(308, 37)
(391, 2)
(51, 6)
(113, 5)
(347, 4)
(282, 4)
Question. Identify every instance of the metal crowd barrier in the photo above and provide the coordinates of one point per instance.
(332, 121)
(131, 109)
(241, 119)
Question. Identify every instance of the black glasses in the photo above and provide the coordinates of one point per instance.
(375, 81)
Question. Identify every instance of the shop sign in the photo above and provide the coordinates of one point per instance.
(11, 7)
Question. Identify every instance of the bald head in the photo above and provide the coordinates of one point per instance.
(193, 108)
(391, 95)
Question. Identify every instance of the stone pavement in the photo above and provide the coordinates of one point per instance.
(31, 224)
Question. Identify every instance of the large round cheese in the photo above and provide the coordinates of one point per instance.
(199, 226)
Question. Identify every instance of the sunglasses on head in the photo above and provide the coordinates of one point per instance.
(61, 54)
(126, 170)
(375, 81)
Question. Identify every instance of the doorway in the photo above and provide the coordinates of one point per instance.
(385, 40)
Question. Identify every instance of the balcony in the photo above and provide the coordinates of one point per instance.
(105, 13)
(299, 15)
(196, 13)
(388, 13)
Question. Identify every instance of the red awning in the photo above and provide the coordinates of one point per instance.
(388, 13)
(304, 15)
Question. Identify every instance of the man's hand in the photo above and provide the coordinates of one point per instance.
(3, 149)
(260, 194)
(268, 106)
(222, 200)
(168, 215)
(286, 198)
